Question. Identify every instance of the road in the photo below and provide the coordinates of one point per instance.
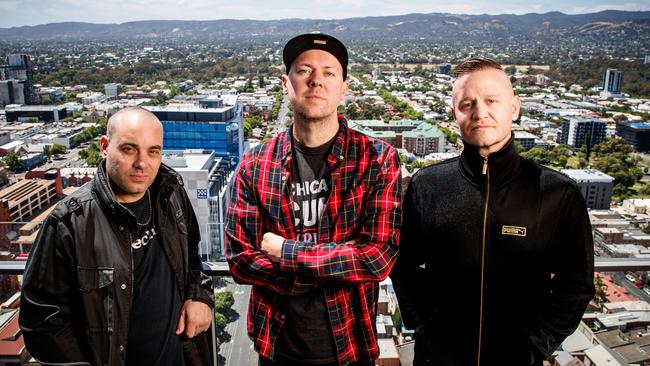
(631, 288)
(278, 125)
(70, 159)
(238, 351)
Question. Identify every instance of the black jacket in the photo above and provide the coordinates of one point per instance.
(77, 285)
(507, 257)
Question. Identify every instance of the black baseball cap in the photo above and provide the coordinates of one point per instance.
(317, 41)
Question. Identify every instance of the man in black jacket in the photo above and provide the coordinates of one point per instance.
(114, 276)
(503, 244)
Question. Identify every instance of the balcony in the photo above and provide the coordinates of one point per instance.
(236, 348)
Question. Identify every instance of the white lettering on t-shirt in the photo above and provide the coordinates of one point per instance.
(145, 239)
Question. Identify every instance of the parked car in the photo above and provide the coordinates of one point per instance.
(646, 290)
(630, 277)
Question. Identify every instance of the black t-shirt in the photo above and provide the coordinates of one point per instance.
(306, 335)
(157, 301)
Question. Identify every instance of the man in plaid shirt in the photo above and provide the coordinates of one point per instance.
(314, 221)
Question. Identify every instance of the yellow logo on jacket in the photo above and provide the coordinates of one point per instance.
(513, 230)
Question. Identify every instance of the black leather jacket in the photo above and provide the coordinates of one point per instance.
(77, 285)
(507, 256)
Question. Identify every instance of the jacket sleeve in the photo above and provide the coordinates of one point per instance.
(243, 236)
(371, 256)
(408, 272)
(572, 285)
(200, 285)
(51, 331)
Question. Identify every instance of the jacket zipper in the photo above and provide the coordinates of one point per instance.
(485, 172)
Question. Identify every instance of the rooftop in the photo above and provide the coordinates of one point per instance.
(524, 135)
(188, 109)
(576, 342)
(387, 348)
(588, 175)
(21, 189)
(637, 125)
(424, 130)
(188, 160)
(392, 123)
(11, 145)
(36, 108)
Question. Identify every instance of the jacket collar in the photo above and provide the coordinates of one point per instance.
(337, 153)
(503, 164)
(105, 195)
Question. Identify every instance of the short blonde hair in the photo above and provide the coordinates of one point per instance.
(474, 64)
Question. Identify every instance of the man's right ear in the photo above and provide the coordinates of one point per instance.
(285, 88)
(453, 112)
(103, 145)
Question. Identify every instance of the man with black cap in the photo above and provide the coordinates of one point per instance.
(314, 221)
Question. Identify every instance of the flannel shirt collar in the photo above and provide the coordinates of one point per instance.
(337, 153)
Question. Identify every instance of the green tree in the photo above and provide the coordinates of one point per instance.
(57, 149)
(102, 122)
(220, 321)
(620, 117)
(560, 155)
(601, 291)
(449, 135)
(12, 161)
(397, 319)
(538, 155)
(644, 190)
(614, 157)
(91, 154)
(250, 123)
(224, 301)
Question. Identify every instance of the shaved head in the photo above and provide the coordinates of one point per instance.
(129, 114)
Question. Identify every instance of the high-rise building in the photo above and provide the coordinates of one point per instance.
(12, 91)
(209, 126)
(578, 132)
(647, 59)
(206, 179)
(596, 187)
(636, 134)
(19, 67)
(612, 83)
(112, 90)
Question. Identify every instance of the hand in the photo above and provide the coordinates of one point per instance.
(272, 246)
(195, 318)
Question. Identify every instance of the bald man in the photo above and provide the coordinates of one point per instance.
(114, 277)
(496, 255)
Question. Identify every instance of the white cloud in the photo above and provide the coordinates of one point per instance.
(8, 5)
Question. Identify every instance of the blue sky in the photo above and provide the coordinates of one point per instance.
(32, 12)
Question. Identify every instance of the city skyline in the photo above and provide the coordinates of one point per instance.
(17, 13)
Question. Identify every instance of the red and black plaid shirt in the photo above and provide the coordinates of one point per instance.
(358, 237)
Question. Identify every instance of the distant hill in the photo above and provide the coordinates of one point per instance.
(424, 27)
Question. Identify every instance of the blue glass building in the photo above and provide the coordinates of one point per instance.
(210, 126)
